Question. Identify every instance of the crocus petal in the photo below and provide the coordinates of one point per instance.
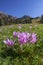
(14, 34)
(9, 42)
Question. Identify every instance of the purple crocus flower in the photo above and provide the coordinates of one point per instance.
(9, 42)
(19, 26)
(30, 27)
(28, 36)
(22, 38)
(15, 34)
(33, 38)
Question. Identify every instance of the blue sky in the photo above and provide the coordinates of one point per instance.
(19, 8)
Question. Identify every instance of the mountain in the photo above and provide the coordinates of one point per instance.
(2, 14)
(6, 19)
(24, 19)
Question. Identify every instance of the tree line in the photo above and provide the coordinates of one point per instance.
(7, 20)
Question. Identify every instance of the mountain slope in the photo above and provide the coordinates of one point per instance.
(6, 19)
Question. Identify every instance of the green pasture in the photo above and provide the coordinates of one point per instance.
(33, 54)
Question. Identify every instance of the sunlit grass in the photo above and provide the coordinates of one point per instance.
(35, 52)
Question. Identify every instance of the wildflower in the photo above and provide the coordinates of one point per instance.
(33, 38)
(28, 36)
(22, 38)
(19, 26)
(9, 42)
(30, 27)
(14, 34)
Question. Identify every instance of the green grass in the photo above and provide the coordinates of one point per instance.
(33, 54)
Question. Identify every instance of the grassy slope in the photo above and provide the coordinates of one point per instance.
(34, 57)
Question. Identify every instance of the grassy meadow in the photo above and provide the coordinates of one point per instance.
(33, 54)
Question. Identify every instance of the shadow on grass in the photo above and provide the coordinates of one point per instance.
(9, 52)
(13, 54)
